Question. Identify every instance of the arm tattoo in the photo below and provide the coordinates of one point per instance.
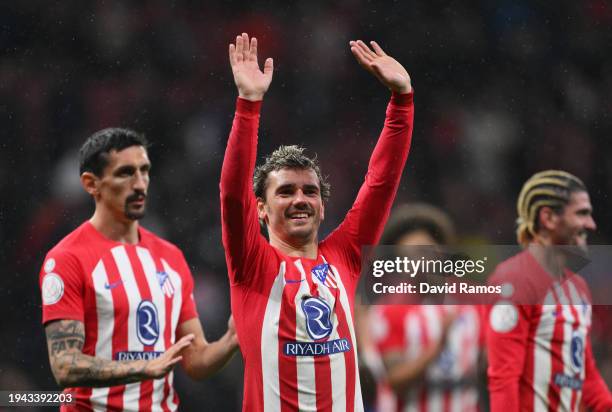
(65, 340)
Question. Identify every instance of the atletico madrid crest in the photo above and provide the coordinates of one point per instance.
(165, 283)
(324, 275)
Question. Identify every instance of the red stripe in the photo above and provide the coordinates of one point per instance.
(556, 357)
(121, 308)
(446, 406)
(526, 392)
(91, 337)
(349, 356)
(167, 325)
(575, 326)
(146, 387)
(425, 342)
(287, 367)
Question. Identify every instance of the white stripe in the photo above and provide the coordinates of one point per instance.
(158, 298)
(565, 400)
(583, 311)
(434, 400)
(413, 347)
(337, 362)
(542, 356)
(177, 303)
(306, 382)
(106, 324)
(131, 395)
(344, 302)
(269, 344)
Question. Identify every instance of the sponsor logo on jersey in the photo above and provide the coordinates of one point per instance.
(136, 355)
(565, 381)
(165, 283)
(147, 323)
(316, 348)
(323, 274)
(317, 314)
(113, 285)
(577, 351)
(503, 317)
(52, 289)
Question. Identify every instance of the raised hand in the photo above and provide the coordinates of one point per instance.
(159, 367)
(386, 69)
(252, 83)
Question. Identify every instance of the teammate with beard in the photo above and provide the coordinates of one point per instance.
(117, 300)
(540, 356)
(292, 298)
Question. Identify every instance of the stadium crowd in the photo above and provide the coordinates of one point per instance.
(502, 91)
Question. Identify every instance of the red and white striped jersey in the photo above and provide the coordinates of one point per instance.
(294, 316)
(130, 298)
(540, 356)
(406, 331)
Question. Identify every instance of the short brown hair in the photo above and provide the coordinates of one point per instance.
(288, 157)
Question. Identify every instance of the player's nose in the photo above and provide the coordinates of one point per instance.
(590, 224)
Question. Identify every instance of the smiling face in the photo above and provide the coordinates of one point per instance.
(292, 209)
(571, 226)
(122, 188)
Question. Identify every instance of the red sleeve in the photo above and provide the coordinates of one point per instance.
(595, 394)
(365, 221)
(62, 287)
(188, 308)
(507, 329)
(239, 222)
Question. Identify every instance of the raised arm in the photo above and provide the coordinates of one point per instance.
(71, 367)
(365, 221)
(240, 225)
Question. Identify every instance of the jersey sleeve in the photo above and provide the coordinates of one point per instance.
(188, 307)
(239, 222)
(507, 329)
(595, 394)
(62, 285)
(366, 219)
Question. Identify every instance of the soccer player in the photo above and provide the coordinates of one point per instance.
(117, 300)
(430, 352)
(540, 356)
(292, 298)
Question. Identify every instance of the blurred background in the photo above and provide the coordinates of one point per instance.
(503, 89)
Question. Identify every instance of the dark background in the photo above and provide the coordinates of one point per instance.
(503, 89)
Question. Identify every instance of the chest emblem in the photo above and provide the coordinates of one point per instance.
(324, 275)
(165, 283)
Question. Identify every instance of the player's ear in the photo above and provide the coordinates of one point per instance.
(261, 209)
(89, 181)
(322, 211)
(548, 218)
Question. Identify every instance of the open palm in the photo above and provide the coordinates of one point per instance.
(388, 70)
(252, 83)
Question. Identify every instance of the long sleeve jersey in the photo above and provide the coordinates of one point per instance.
(293, 315)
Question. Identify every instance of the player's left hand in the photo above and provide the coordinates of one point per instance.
(386, 69)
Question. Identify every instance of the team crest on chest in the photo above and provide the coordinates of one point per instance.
(165, 283)
(324, 275)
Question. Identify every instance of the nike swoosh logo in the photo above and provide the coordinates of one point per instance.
(293, 281)
(113, 285)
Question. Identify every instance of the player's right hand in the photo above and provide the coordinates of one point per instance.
(159, 367)
(252, 83)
